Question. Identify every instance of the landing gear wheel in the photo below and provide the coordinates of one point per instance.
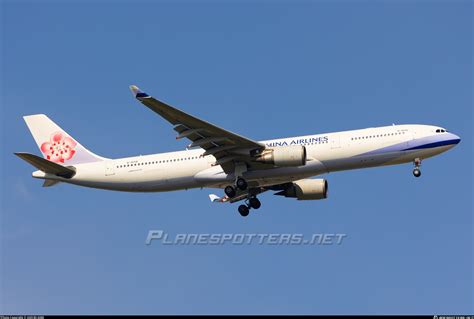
(241, 184)
(244, 210)
(416, 172)
(254, 203)
(230, 191)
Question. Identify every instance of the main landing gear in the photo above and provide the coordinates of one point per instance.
(252, 202)
(244, 210)
(230, 191)
(240, 183)
(416, 170)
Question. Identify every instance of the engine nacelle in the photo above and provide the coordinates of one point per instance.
(284, 156)
(306, 189)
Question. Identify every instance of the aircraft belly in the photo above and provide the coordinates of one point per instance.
(139, 180)
(215, 176)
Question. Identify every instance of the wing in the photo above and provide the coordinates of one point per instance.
(227, 147)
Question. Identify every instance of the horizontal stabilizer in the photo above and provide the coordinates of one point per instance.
(47, 166)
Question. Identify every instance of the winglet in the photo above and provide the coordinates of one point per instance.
(137, 92)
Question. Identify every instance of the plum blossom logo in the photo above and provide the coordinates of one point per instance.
(60, 148)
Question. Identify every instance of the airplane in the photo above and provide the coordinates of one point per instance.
(218, 158)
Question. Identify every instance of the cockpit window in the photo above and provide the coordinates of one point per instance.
(441, 130)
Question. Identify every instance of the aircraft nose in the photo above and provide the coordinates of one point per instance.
(454, 138)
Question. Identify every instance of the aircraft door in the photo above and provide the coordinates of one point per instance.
(335, 141)
(411, 139)
(109, 168)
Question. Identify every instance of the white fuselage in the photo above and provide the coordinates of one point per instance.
(329, 152)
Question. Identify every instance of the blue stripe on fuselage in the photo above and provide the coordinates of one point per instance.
(435, 144)
(416, 144)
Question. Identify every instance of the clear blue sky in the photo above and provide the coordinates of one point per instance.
(263, 70)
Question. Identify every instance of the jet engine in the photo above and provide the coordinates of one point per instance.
(306, 189)
(284, 156)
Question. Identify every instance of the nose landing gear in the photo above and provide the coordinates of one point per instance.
(416, 170)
